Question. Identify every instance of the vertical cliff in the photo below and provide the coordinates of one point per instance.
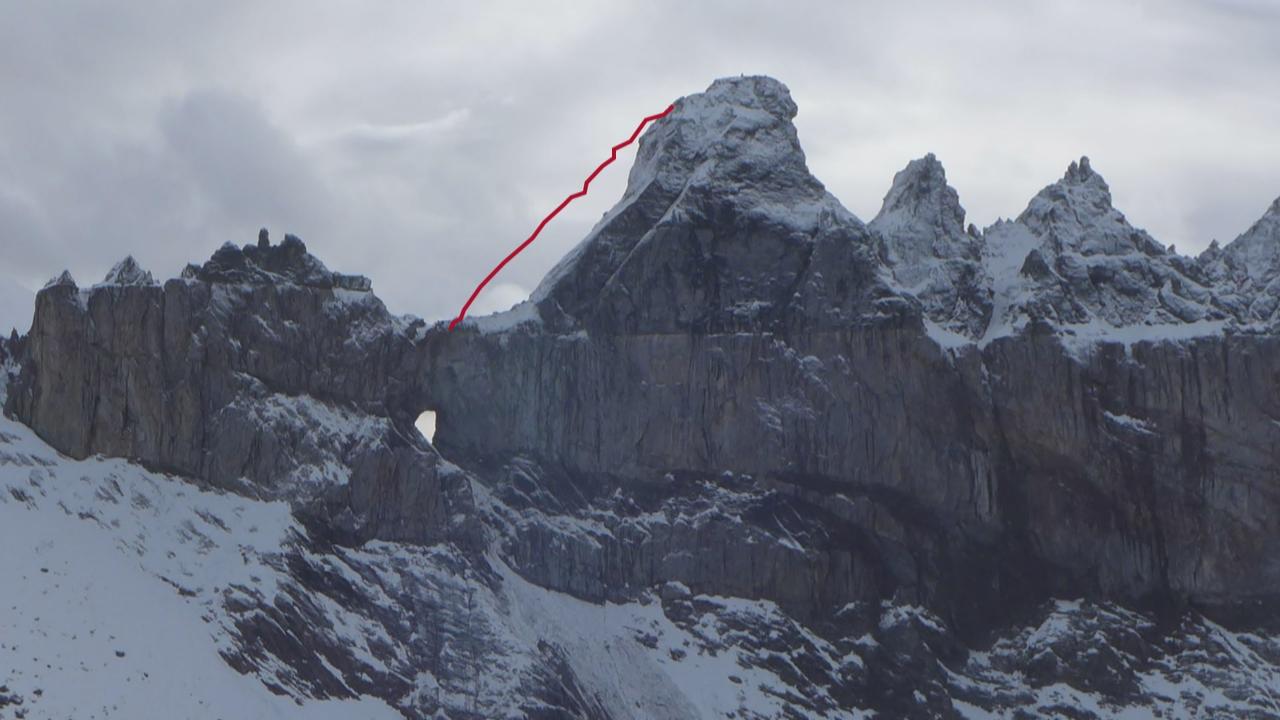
(260, 371)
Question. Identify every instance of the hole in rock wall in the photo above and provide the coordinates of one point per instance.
(426, 424)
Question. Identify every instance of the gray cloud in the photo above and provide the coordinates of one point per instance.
(417, 143)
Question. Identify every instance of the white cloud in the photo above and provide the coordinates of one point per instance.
(497, 297)
(435, 129)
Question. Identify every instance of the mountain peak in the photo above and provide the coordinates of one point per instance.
(1082, 182)
(738, 132)
(720, 203)
(62, 279)
(921, 228)
(1076, 214)
(1088, 262)
(921, 201)
(747, 91)
(924, 173)
(1081, 172)
(128, 272)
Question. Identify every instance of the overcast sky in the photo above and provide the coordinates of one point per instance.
(418, 142)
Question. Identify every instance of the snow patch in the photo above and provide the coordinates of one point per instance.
(525, 312)
(1080, 339)
(1130, 422)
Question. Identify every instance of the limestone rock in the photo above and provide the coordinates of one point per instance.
(1082, 439)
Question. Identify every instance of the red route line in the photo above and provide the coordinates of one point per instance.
(613, 156)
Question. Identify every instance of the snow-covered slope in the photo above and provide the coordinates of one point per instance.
(117, 584)
(132, 594)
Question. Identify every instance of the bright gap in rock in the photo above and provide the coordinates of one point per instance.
(426, 424)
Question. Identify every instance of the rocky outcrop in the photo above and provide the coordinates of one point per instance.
(259, 371)
(1019, 468)
(62, 279)
(266, 264)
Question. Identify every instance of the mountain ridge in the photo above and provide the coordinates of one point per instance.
(903, 467)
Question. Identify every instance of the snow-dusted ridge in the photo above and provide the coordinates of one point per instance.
(1071, 259)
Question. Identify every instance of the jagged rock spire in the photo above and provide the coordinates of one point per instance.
(1081, 172)
(921, 227)
(1076, 214)
(921, 215)
(128, 272)
(1083, 261)
(63, 279)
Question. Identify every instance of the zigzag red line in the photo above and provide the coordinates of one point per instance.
(585, 185)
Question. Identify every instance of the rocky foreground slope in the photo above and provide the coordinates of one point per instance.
(740, 455)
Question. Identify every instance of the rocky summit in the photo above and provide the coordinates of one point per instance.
(739, 455)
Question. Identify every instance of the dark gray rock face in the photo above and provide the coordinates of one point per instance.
(970, 478)
(722, 229)
(1139, 476)
(893, 442)
(261, 371)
